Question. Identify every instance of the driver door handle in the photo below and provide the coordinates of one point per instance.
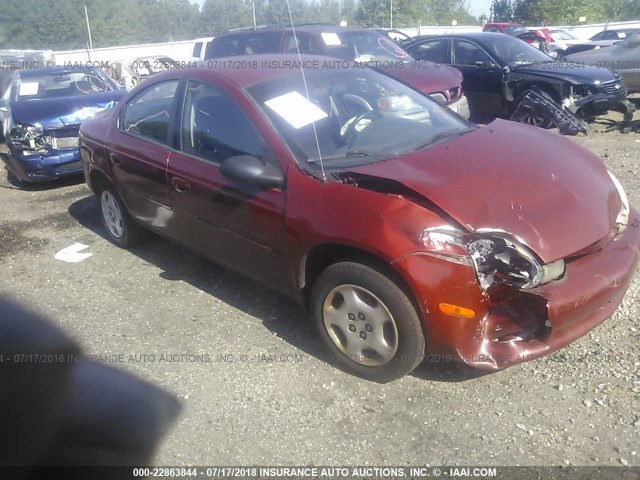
(180, 185)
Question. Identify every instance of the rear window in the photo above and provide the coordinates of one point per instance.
(245, 44)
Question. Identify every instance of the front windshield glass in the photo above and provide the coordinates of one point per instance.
(364, 46)
(37, 84)
(352, 116)
(513, 51)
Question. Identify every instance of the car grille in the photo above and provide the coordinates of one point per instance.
(612, 86)
(454, 94)
(69, 167)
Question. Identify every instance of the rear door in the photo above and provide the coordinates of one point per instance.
(235, 224)
(139, 154)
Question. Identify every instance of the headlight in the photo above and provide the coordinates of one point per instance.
(497, 258)
(28, 137)
(623, 214)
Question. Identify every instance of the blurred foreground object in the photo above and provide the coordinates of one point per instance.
(59, 409)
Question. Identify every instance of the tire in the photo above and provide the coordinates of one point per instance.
(122, 230)
(368, 323)
(536, 120)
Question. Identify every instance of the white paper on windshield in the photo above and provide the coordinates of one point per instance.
(28, 88)
(331, 39)
(295, 109)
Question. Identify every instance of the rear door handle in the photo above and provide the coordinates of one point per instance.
(180, 184)
(115, 158)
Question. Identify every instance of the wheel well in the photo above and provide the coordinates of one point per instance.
(318, 259)
(548, 89)
(97, 179)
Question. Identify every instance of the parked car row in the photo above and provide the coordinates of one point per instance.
(500, 70)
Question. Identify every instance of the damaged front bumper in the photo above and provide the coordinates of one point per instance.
(46, 167)
(521, 325)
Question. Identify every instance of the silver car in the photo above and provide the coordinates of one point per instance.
(623, 58)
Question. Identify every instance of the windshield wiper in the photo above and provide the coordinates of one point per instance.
(368, 153)
(441, 136)
(354, 153)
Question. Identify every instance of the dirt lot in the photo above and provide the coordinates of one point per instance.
(277, 401)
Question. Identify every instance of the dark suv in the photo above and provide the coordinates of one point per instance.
(441, 83)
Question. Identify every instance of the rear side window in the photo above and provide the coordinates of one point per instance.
(148, 113)
(434, 51)
(197, 49)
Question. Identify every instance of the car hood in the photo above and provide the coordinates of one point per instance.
(550, 193)
(426, 77)
(63, 111)
(571, 72)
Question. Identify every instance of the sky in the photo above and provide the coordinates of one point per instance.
(476, 7)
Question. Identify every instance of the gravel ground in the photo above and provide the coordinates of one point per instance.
(276, 401)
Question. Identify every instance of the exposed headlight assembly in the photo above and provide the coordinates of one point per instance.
(497, 258)
(28, 137)
(623, 214)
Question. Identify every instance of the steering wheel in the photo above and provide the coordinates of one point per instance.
(91, 84)
(355, 125)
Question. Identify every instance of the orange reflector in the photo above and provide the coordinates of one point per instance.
(449, 309)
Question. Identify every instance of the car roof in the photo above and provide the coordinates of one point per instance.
(267, 67)
(476, 36)
(310, 28)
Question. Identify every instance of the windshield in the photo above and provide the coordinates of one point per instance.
(48, 84)
(513, 51)
(352, 116)
(363, 46)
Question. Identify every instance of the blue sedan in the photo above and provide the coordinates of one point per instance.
(40, 113)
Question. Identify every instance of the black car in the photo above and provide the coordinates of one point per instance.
(500, 70)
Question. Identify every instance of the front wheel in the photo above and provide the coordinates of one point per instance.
(536, 119)
(367, 321)
(121, 227)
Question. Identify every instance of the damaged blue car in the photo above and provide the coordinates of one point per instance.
(40, 113)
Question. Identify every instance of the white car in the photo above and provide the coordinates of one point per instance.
(199, 48)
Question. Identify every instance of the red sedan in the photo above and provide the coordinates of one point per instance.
(399, 225)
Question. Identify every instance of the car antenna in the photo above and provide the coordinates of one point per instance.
(306, 89)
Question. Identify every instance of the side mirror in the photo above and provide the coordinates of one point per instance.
(249, 169)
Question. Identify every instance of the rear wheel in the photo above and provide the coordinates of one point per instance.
(367, 321)
(122, 229)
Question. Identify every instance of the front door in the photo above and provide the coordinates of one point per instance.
(238, 225)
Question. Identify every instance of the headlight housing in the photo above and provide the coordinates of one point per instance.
(496, 257)
(29, 138)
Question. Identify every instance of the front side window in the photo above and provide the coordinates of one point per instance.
(148, 114)
(467, 53)
(214, 128)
